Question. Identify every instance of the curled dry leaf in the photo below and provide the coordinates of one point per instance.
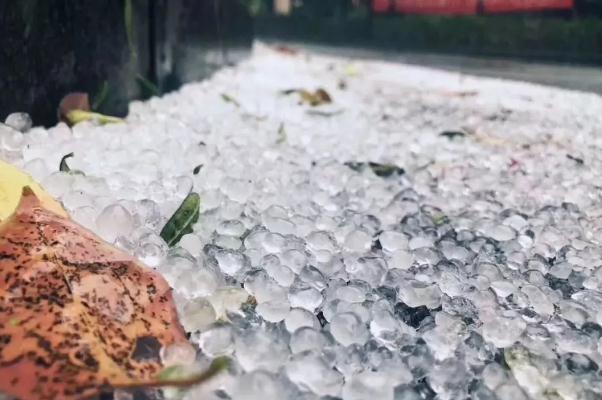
(77, 116)
(286, 50)
(317, 98)
(73, 101)
(77, 316)
(63, 166)
(75, 107)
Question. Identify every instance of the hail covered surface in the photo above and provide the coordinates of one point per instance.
(474, 272)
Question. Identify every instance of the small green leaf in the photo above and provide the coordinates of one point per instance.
(355, 165)
(382, 170)
(182, 376)
(183, 219)
(452, 134)
(148, 88)
(76, 116)
(578, 160)
(101, 96)
(128, 16)
(440, 219)
(385, 170)
(281, 134)
(229, 99)
(63, 167)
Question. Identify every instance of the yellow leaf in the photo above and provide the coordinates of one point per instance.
(12, 182)
(76, 116)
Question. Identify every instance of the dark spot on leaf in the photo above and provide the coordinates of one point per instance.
(146, 349)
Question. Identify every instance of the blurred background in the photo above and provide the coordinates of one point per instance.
(119, 50)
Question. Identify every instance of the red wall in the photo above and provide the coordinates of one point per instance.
(500, 6)
(449, 7)
(381, 5)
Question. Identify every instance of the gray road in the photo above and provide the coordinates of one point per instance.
(575, 77)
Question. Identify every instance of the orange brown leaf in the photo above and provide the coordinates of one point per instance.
(77, 316)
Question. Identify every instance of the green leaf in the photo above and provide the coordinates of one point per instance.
(385, 170)
(28, 13)
(440, 219)
(229, 99)
(183, 219)
(356, 166)
(182, 376)
(63, 167)
(254, 7)
(76, 116)
(148, 88)
(128, 16)
(281, 134)
(452, 134)
(382, 170)
(101, 96)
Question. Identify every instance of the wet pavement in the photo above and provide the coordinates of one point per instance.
(586, 78)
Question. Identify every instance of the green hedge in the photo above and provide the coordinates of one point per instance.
(515, 36)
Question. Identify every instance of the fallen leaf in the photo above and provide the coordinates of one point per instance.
(452, 134)
(182, 220)
(12, 182)
(77, 116)
(319, 97)
(286, 50)
(197, 169)
(281, 134)
(382, 170)
(351, 70)
(578, 160)
(229, 99)
(324, 112)
(73, 101)
(63, 167)
(148, 88)
(461, 93)
(101, 96)
(78, 316)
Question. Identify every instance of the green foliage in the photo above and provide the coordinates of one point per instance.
(182, 220)
(128, 15)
